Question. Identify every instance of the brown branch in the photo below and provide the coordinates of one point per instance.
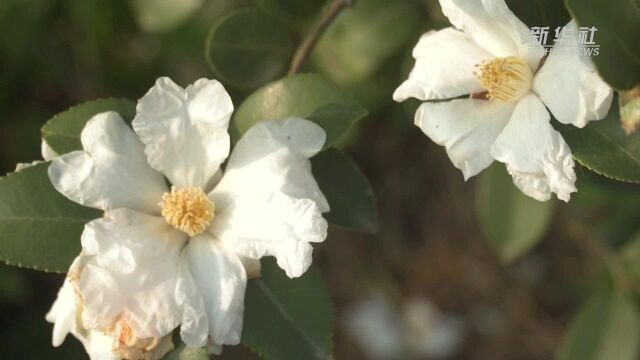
(305, 48)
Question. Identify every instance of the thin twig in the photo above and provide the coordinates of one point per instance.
(305, 48)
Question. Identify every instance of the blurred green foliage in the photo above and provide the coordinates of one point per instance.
(512, 222)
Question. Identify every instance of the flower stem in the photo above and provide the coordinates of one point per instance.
(305, 48)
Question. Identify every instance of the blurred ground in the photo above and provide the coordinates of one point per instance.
(58, 53)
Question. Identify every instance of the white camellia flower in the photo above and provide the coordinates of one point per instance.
(488, 53)
(179, 255)
(112, 343)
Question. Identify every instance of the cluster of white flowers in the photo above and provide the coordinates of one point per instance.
(488, 54)
(179, 238)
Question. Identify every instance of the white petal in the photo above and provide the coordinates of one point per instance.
(185, 131)
(100, 346)
(63, 313)
(220, 280)
(22, 166)
(252, 267)
(535, 154)
(570, 86)
(132, 273)
(277, 225)
(467, 128)
(47, 152)
(194, 330)
(112, 172)
(268, 202)
(445, 63)
(494, 27)
(273, 156)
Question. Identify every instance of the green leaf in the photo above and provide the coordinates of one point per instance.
(62, 132)
(607, 327)
(360, 42)
(309, 96)
(617, 34)
(512, 222)
(353, 204)
(182, 352)
(603, 147)
(248, 48)
(631, 258)
(540, 13)
(39, 228)
(163, 15)
(288, 319)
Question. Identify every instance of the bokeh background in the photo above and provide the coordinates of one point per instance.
(429, 285)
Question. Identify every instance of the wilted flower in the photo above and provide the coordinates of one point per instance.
(178, 238)
(488, 54)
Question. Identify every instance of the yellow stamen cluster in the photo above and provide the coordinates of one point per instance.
(189, 210)
(506, 79)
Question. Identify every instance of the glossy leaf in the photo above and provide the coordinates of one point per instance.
(248, 48)
(512, 222)
(541, 13)
(288, 319)
(62, 132)
(617, 27)
(309, 96)
(353, 204)
(39, 228)
(607, 327)
(604, 147)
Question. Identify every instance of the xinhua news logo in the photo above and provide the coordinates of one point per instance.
(568, 40)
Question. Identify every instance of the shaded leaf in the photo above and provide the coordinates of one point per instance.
(163, 15)
(607, 327)
(360, 42)
(62, 132)
(39, 228)
(631, 258)
(353, 204)
(541, 13)
(309, 96)
(603, 147)
(288, 319)
(248, 48)
(608, 207)
(617, 27)
(512, 222)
